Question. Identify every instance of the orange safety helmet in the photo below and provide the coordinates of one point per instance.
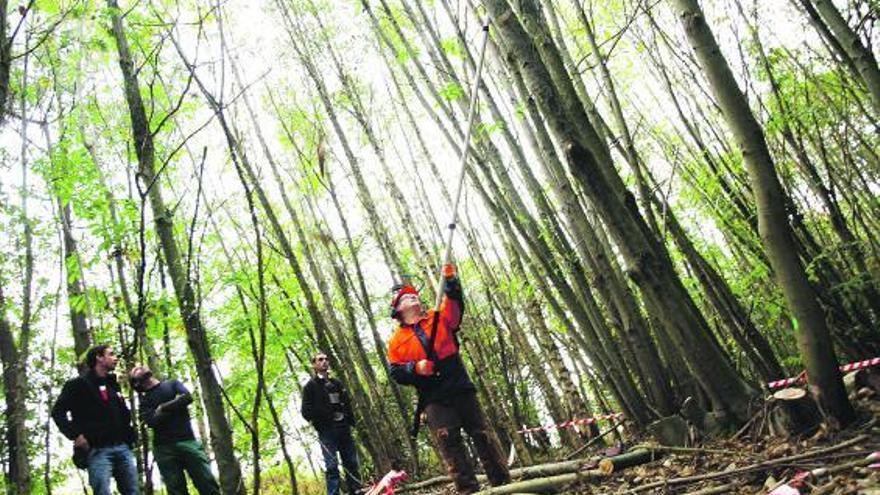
(400, 291)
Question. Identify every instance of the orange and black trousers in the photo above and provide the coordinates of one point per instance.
(446, 419)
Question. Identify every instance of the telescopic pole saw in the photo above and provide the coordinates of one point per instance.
(465, 147)
(472, 109)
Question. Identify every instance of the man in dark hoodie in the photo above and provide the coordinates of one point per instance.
(92, 412)
(326, 405)
(164, 408)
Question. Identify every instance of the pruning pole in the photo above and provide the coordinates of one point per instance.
(465, 147)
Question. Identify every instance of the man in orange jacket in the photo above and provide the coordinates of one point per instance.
(424, 352)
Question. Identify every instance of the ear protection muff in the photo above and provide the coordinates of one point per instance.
(395, 314)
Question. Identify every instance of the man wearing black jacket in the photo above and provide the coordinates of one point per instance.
(326, 405)
(92, 412)
(163, 407)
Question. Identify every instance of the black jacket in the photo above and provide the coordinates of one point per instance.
(316, 406)
(102, 423)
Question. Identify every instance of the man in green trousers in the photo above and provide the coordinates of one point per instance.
(163, 407)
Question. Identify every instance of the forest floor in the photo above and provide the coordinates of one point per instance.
(746, 466)
(752, 463)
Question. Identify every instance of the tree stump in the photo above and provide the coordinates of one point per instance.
(793, 413)
(670, 431)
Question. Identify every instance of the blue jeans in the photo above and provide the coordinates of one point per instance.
(338, 440)
(116, 461)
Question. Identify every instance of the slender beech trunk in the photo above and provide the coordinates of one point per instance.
(15, 356)
(376, 222)
(590, 162)
(221, 434)
(606, 277)
(277, 422)
(814, 339)
(50, 394)
(14, 390)
(5, 59)
(848, 40)
(82, 337)
(850, 243)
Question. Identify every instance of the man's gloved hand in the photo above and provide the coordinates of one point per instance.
(424, 367)
(449, 271)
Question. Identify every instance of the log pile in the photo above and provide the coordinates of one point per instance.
(552, 476)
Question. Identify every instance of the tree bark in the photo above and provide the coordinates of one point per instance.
(15, 355)
(852, 45)
(82, 337)
(14, 390)
(5, 60)
(221, 434)
(590, 162)
(814, 339)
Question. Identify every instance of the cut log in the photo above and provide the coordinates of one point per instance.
(793, 413)
(671, 430)
(613, 464)
(556, 482)
(541, 485)
(544, 470)
(536, 471)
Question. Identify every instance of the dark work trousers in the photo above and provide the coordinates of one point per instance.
(337, 439)
(446, 419)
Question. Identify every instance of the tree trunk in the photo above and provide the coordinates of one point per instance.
(619, 300)
(377, 226)
(814, 339)
(5, 60)
(15, 355)
(14, 391)
(649, 263)
(857, 52)
(221, 433)
(82, 337)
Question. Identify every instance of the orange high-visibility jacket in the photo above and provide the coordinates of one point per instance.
(406, 348)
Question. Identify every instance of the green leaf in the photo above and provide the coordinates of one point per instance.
(451, 47)
(452, 91)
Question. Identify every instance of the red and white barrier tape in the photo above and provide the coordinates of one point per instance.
(386, 485)
(573, 422)
(846, 368)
